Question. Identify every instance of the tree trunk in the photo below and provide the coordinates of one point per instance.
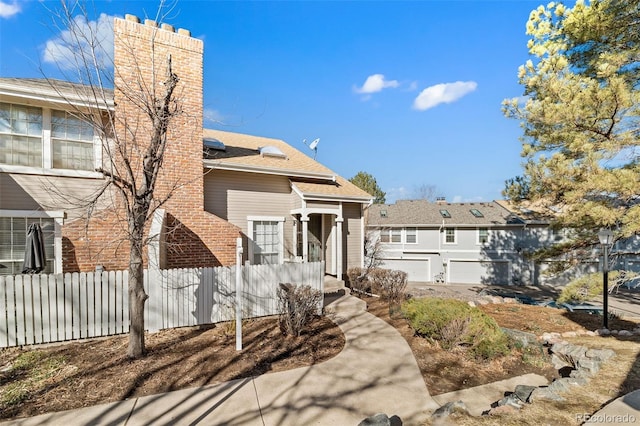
(137, 299)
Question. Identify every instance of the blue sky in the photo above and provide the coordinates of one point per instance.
(410, 92)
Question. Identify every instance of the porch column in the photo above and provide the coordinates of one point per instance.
(339, 247)
(305, 238)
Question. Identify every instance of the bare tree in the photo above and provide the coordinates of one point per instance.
(133, 143)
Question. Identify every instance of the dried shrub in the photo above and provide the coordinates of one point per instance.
(297, 306)
(358, 279)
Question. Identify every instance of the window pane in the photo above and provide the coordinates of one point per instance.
(411, 235)
(16, 122)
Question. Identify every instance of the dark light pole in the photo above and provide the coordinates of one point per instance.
(606, 237)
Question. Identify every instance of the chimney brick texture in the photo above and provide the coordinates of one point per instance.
(193, 236)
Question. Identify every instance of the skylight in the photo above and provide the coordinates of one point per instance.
(476, 213)
(214, 144)
(445, 214)
(271, 151)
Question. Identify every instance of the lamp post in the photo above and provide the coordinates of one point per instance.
(606, 237)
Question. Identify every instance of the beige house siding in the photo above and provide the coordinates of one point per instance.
(352, 233)
(321, 204)
(33, 192)
(234, 196)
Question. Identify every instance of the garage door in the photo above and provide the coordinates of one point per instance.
(416, 269)
(476, 272)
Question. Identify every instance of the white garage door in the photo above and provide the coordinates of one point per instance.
(476, 272)
(416, 269)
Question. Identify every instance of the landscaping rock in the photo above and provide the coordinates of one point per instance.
(510, 300)
(526, 339)
(502, 410)
(569, 334)
(581, 377)
(511, 400)
(625, 333)
(472, 303)
(523, 392)
(544, 393)
(380, 419)
(615, 332)
(602, 332)
(592, 366)
(560, 385)
(450, 408)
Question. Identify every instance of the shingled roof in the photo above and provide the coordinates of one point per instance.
(242, 153)
(425, 213)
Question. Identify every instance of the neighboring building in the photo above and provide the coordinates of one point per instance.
(285, 206)
(472, 243)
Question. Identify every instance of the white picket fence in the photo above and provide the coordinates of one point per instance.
(38, 309)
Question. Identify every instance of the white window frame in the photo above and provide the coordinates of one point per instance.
(58, 220)
(46, 168)
(478, 231)
(250, 231)
(391, 233)
(415, 234)
(455, 236)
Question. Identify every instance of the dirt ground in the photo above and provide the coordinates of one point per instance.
(449, 371)
(95, 372)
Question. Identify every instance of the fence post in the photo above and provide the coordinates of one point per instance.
(239, 294)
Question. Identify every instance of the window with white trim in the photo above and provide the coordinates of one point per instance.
(483, 235)
(391, 235)
(45, 138)
(13, 235)
(72, 142)
(450, 236)
(411, 235)
(267, 240)
(20, 135)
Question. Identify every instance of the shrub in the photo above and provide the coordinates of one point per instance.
(297, 305)
(589, 286)
(453, 323)
(358, 279)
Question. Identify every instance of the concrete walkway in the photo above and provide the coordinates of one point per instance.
(375, 373)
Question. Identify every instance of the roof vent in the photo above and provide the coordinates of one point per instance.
(214, 144)
(383, 213)
(271, 151)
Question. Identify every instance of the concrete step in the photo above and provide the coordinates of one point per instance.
(332, 285)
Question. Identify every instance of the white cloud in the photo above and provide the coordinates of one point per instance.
(213, 116)
(394, 194)
(461, 199)
(376, 83)
(85, 40)
(8, 10)
(443, 93)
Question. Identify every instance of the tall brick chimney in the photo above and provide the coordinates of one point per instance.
(192, 236)
(141, 55)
